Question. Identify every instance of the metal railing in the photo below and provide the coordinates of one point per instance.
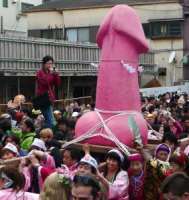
(58, 104)
(22, 56)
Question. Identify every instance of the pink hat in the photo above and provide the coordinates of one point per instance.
(136, 157)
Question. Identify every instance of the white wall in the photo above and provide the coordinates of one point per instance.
(13, 22)
(35, 2)
(42, 20)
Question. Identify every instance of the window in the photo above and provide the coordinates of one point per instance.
(83, 35)
(77, 35)
(5, 3)
(166, 29)
(71, 35)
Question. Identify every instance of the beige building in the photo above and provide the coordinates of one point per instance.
(78, 21)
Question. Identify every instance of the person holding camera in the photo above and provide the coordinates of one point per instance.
(47, 79)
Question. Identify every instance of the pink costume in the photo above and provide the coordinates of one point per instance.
(121, 39)
(9, 194)
(48, 161)
(46, 167)
(118, 190)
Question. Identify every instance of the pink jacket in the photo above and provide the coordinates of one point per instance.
(48, 162)
(9, 194)
(177, 129)
(46, 81)
(118, 190)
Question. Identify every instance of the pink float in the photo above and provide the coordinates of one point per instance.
(118, 110)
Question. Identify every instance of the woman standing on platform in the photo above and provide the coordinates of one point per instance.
(47, 79)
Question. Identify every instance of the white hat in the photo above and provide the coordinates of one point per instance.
(11, 147)
(118, 153)
(75, 114)
(39, 143)
(88, 159)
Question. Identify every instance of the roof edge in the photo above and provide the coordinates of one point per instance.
(102, 6)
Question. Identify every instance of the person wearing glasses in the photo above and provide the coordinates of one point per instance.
(85, 187)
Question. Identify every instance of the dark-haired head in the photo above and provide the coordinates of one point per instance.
(11, 178)
(88, 182)
(47, 59)
(28, 125)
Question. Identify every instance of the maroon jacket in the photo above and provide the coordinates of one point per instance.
(46, 83)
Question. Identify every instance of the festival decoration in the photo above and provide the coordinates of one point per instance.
(117, 119)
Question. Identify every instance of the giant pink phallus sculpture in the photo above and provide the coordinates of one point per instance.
(117, 119)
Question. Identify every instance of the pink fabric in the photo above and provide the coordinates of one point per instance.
(177, 129)
(120, 37)
(47, 167)
(118, 190)
(26, 173)
(48, 162)
(9, 194)
(186, 151)
(43, 173)
(46, 80)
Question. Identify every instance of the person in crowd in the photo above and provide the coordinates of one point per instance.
(177, 163)
(87, 165)
(58, 115)
(46, 79)
(15, 141)
(85, 187)
(27, 133)
(12, 185)
(136, 177)
(46, 135)
(114, 178)
(71, 158)
(176, 187)
(5, 127)
(61, 130)
(171, 140)
(56, 187)
(9, 151)
(155, 171)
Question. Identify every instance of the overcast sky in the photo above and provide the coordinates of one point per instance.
(36, 2)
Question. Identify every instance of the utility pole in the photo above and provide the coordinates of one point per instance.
(185, 4)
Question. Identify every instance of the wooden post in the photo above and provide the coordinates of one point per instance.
(185, 4)
(18, 85)
(68, 87)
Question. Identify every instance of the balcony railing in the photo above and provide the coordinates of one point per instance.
(22, 56)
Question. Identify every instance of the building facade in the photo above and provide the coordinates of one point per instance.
(78, 21)
(12, 21)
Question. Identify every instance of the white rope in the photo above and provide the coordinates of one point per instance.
(112, 135)
(102, 124)
(92, 130)
(131, 112)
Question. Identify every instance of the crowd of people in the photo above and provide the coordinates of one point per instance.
(33, 165)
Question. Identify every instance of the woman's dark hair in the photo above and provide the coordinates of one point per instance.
(113, 156)
(170, 137)
(87, 181)
(5, 124)
(17, 178)
(74, 153)
(47, 59)
(29, 123)
(177, 184)
(13, 138)
(62, 121)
